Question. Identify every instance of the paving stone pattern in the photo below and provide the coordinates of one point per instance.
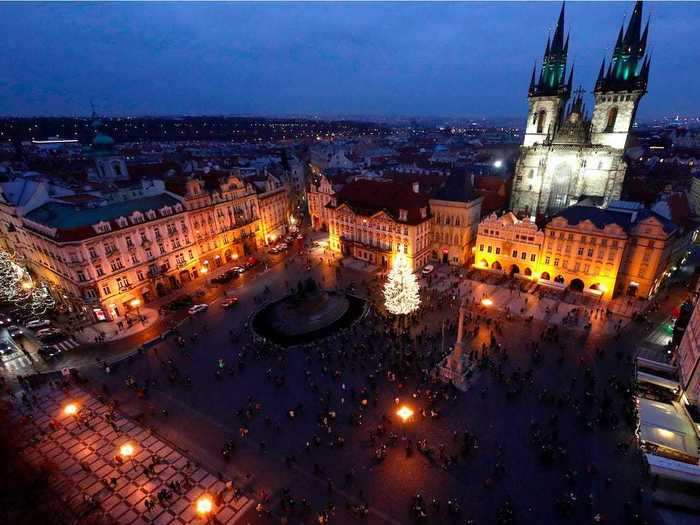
(82, 449)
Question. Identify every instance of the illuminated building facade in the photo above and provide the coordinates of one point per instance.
(104, 257)
(605, 252)
(372, 221)
(509, 244)
(565, 153)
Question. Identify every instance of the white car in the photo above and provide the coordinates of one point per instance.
(198, 308)
(428, 269)
(47, 332)
(38, 323)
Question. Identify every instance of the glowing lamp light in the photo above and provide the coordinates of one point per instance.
(204, 505)
(486, 301)
(70, 409)
(135, 303)
(26, 285)
(497, 164)
(126, 450)
(204, 269)
(405, 413)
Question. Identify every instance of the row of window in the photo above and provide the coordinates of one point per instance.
(514, 254)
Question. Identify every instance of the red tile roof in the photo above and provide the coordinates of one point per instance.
(367, 197)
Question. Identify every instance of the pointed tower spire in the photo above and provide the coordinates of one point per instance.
(546, 51)
(571, 78)
(532, 79)
(634, 28)
(643, 43)
(558, 40)
(601, 73)
(618, 44)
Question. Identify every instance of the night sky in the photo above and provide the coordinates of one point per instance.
(466, 59)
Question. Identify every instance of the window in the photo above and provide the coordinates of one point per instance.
(139, 275)
(81, 276)
(541, 117)
(134, 259)
(556, 262)
(498, 250)
(523, 256)
(129, 242)
(100, 272)
(515, 254)
(612, 117)
(92, 252)
(590, 252)
(533, 257)
(106, 290)
(481, 247)
(488, 249)
(546, 260)
(580, 251)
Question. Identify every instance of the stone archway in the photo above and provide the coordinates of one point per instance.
(559, 279)
(545, 276)
(496, 266)
(527, 272)
(514, 269)
(577, 285)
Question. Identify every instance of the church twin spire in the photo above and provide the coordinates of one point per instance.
(628, 70)
(552, 77)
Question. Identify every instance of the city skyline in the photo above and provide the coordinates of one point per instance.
(382, 60)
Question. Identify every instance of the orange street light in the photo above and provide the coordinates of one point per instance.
(135, 303)
(126, 450)
(204, 505)
(70, 409)
(204, 269)
(405, 413)
(27, 285)
(486, 301)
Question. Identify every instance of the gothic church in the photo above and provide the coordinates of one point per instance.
(567, 154)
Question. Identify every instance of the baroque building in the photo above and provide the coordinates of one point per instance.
(620, 250)
(567, 154)
(374, 220)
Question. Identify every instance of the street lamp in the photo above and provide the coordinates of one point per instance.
(405, 413)
(204, 506)
(136, 303)
(486, 301)
(126, 450)
(70, 409)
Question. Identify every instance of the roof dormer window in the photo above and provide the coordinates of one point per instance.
(403, 215)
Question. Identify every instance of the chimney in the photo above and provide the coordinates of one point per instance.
(416, 187)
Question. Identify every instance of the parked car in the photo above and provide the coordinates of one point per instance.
(47, 332)
(181, 302)
(228, 303)
(38, 323)
(53, 338)
(15, 331)
(6, 348)
(233, 274)
(428, 269)
(197, 308)
(221, 279)
(239, 269)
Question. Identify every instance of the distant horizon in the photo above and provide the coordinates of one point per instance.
(385, 60)
(328, 117)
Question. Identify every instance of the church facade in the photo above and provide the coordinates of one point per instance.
(567, 154)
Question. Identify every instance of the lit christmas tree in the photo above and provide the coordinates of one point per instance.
(401, 288)
(19, 289)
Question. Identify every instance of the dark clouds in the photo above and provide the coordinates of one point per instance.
(466, 59)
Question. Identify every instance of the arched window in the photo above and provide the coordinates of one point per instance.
(541, 117)
(612, 117)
